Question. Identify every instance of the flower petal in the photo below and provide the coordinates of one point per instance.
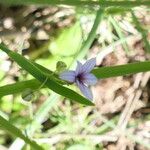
(89, 79)
(85, 90)
(89, 65)
(68, 76)
(78, 68)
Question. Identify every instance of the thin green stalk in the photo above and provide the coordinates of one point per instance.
(143, 32)
(41, 113)
(107, 3)
(7, 126)
(30, 110)
(120, 33)
(86, 45)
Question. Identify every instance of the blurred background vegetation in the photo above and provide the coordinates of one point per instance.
(47, 34)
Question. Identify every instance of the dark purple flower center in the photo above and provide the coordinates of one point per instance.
(80, 77)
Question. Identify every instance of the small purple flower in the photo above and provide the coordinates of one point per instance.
(82, 77)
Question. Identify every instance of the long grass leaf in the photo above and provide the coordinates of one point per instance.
(42, 113)
(121, 70)
(19, 87)
(102, 72)
(87, 44)
(108, 3)
(117, 10)
(119, 32)
(142, 31)
(39, 117)
(7, 126)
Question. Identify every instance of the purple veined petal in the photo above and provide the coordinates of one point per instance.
(89, 79)
(85, 90)
(68, 76)
(78, 68)
(88, 65)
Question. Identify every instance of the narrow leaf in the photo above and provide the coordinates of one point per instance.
(19, 87)
(7, 126)
(102, 72)
(143, 32)
(108, 3)
(121, 70)
(120, 33)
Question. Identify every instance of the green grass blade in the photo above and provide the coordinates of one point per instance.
(86, 45)
(45, 70)
(103, 72)
(119, 32)
(42, 113)
(142, 31)
(117, 10)
(7, 126)
(41, 76)
(121, 70)
(22, 85)
(19, 87)
(108, 3)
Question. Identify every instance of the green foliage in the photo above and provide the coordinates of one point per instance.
(42, 113)
(120, 33)
(60, 66)
(121, 70)
(142, 31)
(28, 95)
(68, 42)
(7, 126)
(78, 3)
(41, 76)
(19, 87)
(100, 73)
(67, 47)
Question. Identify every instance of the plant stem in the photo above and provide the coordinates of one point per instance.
(87, 44)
